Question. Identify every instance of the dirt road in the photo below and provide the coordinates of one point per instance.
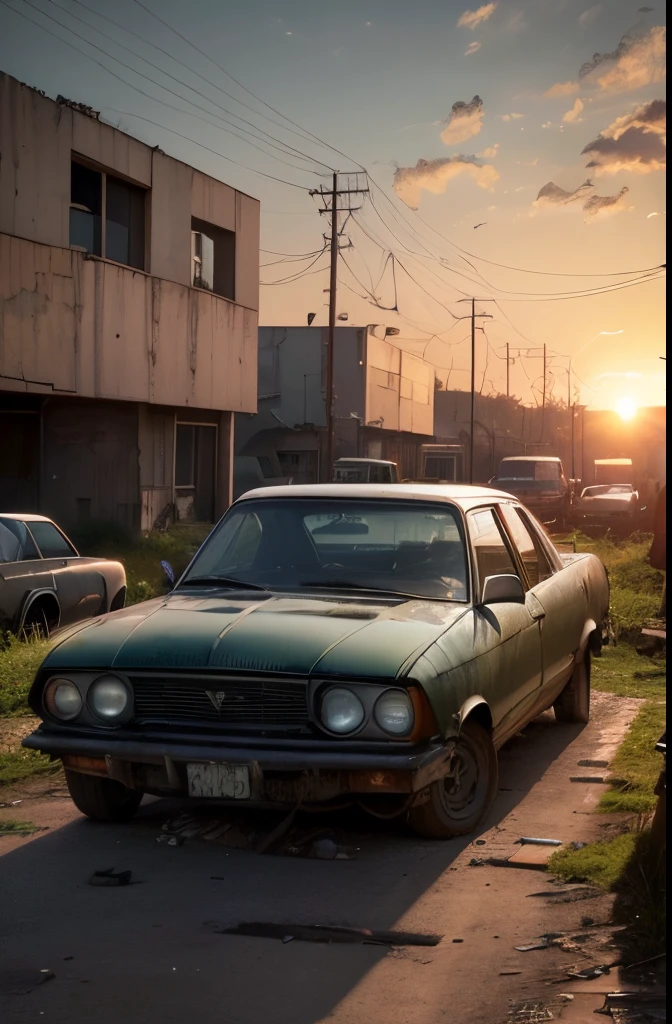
(153, 952)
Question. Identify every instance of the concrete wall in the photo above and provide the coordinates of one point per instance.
(90, 462)
(399, 389)
(37, 140)
(72, 324)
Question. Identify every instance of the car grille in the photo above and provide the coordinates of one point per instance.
(256, 704)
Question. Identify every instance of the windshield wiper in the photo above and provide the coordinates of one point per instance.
(347, 585)
(224, 581)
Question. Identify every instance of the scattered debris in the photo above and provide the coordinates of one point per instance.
(508, 974)
(325, 849)
(288, 938)
(647, 1005)
(110, 877)
(269, 842)
(588, 779)
(477, 862)
(590, 973)
(527, 841)
(330, 933)
(503, 862)
(458, 940)
(166, 839)
(579, 846)
(587, 763)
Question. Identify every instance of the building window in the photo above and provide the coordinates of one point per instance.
(107, 216)
(213, 258)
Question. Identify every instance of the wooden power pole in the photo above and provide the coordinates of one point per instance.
(331, 206)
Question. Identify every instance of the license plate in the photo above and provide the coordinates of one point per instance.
(223, 781)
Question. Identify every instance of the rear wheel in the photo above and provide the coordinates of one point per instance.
(102, 799)
(573, 704)
(460, 801)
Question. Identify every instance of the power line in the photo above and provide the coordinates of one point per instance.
(296, 277)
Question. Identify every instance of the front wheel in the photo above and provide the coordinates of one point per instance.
(460, 801)
(573, 704)
(102, 799)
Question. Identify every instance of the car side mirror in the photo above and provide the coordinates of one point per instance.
(503, 589)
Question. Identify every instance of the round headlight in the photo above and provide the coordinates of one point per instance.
(394, 713)
(342, 711)
(62, 699)
(108, 697)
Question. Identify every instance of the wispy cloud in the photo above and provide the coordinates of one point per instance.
(584, 198)
(516, 23)
(650, 215)
(637, 61)
(472, 19)
(573, 116)
(635, 142)
(434, 176)
(511, 117)
(472, 48)
(590, 15)
(562, 89)
(490, 153)
(464, 122)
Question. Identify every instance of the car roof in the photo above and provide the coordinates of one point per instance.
(377, 462)
(25, 517)
(531, 458)
(465, 496)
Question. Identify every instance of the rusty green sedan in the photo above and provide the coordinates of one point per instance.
(347, 643)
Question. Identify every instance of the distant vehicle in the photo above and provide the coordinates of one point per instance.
(442, 463)
(45, 583)
(331, 644)
(608, 505)
(365, 471)
(614, 471)
(540, 483)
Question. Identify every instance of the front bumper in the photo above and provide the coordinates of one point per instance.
(281, 771)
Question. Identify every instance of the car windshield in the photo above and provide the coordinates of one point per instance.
(520, 469)
(601, 489)
(411, 548)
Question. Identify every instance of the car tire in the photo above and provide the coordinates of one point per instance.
(455, 809)
(102, 799)
(573, 704)
(36, 625)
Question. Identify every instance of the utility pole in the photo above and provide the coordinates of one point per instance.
(572, 413)
(331, 206)
(543, 400)
(472, 317)
(508, 378)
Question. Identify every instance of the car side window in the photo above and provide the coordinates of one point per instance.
(51, 541)
(532, 555)
(491, 551)
(16, 544)
(541, 538)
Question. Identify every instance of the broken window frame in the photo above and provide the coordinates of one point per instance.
(223, 243)
(100, 243)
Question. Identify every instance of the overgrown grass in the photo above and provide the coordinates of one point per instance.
(19, 661)
(637, 764)
(21, 764)
(622, 671)
(142, 558)
(15, 827)
(633, 867)
(636, 588)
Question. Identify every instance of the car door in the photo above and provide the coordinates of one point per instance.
(508, 633)
(557, 592)
(80, 588)
(22, 571)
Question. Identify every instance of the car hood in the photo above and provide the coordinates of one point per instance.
(301, 635)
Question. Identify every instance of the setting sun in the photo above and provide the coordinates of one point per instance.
(626, 408)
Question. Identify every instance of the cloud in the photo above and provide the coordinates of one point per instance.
(434, 175)
(629, 374)
(551, 196)
(464, 122)
(635, 142)
(607, 204)
(511, 117)
(562, 89)
(650, 215)
(490, 153)
(590, 15)
(637, 61)
(530, 163)
(472, 19)
(472, 48)
(573, 116)
(516, 23)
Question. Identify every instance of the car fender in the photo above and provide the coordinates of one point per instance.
(477, 707)
(30, 600)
